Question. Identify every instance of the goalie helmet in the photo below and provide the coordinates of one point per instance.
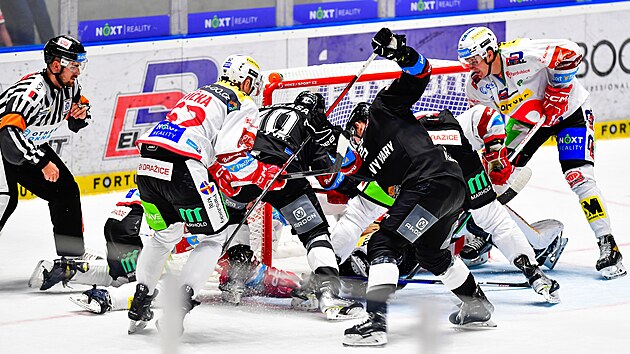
(236, 68)
(67, 49)
(476, 41)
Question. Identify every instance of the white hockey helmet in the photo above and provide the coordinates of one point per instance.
(236, 68)
(476, 41)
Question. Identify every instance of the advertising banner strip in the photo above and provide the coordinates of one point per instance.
(222, 21)
(498, 4)
(335, 12)
(124, 28)
(430, 7)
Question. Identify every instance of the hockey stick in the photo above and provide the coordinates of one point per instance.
(404, 281)
(526, 139)
(517, 186)
(342, 143)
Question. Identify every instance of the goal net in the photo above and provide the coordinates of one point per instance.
(445, 91)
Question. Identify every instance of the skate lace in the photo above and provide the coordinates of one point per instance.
(605, 249)
(477, 243)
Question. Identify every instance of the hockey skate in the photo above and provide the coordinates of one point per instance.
(46, 274)
(172, 324)
(140, 310)
(94, 300)
(549, 256)
(478, 245)
(304, 298)
(609, 262)
(239, 265)
(372, 332)
(336, 307)
(541, 284)
(475, 312)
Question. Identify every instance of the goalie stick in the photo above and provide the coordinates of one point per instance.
(342, 143)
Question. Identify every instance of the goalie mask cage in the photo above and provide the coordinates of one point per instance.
(446, 90)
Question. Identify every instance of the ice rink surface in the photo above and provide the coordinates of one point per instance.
(593, 316)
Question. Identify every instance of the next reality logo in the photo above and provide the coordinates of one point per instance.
(119, 30)
(327, 14)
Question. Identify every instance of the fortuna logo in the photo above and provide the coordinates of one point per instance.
(508, 105)
(378, 162)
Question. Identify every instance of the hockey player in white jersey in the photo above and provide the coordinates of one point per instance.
(532, 80)
(180, 173)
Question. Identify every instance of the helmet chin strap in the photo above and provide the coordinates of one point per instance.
(485, 60)
(58, 77)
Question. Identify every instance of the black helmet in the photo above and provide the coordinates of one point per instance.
(360, 113)
(64, 47)
(314, 102)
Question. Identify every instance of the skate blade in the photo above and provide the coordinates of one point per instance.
(135, 326)
(37, 277)
(232, 297)
(477, 325)
(552, 259)
(335, 313)
(376, 339)
(81, 301)
(552, 298)
(613, 272)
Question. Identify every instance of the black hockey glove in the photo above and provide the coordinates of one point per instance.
(389, 45)
(393, 46)
(322, 131)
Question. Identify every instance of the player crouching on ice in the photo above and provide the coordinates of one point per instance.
(393, 148)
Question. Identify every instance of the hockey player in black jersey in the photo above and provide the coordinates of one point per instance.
(282, 130)
(31, 110)
(393, 148)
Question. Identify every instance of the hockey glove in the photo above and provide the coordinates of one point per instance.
(323, 132)
(224, 178)
(389, 45)
(555, 104)
(264, 174)
(498, 165)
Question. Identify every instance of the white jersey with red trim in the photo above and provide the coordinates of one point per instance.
(214, 122)
(480, 124)
(528, 67)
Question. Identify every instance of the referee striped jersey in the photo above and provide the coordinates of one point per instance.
(36, 108)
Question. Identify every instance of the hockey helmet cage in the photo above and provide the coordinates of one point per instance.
(236, 68)
(67, 49)
(314, 102)
(476, 41)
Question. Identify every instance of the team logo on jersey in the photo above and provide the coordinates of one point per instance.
(509, 104)
(515, 58)
(67, 104)
(592, 208)
(206, 188)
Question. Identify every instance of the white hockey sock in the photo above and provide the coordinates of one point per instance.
(154, 254)
(455, 275)
(200, 265)
(98, 273)
(506, 235)
(582, 183)
(381, 274)
(320, 256)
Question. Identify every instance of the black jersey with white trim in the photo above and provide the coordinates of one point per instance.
(31, 110)
(396, 149)
(281, 132)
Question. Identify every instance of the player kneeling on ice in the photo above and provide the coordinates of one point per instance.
(393, 148)
(124, 231)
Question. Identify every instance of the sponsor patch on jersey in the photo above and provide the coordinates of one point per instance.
(192, 144)
(416, 223)
(206, 188)
(155, 168)
(446, 137)
(515, 58)
(120, 212)
(593, 208)
(214, 206)
(168, 131)
(241, 164)
(564, 78)
(572, 144)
